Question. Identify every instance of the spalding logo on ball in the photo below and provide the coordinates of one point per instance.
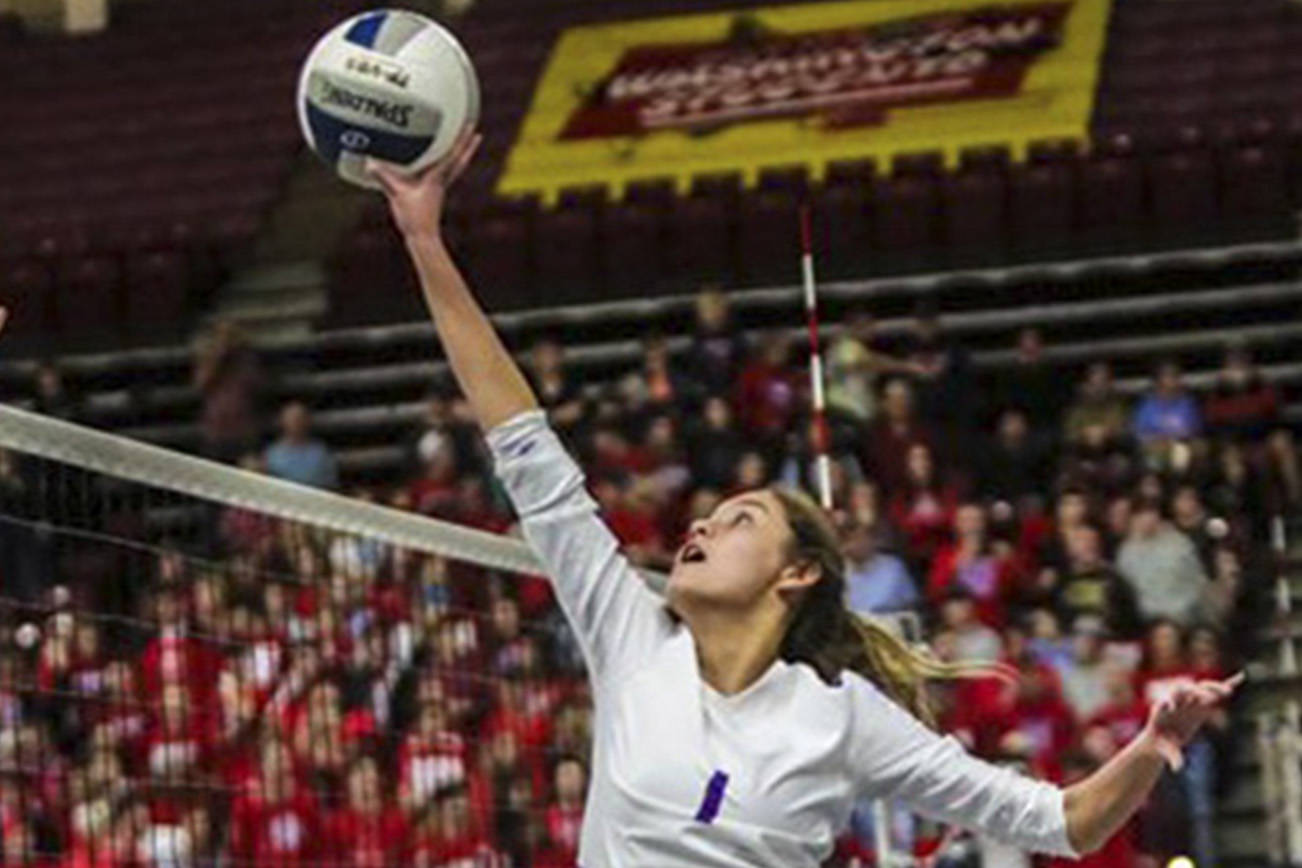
(387, 84)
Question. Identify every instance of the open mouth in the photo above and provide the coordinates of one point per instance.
(691, 554)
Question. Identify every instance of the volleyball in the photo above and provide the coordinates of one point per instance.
(388, 84)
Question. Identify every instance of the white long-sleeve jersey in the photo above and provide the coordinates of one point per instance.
(766, 778)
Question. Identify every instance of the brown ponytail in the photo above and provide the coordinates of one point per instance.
(832, 639)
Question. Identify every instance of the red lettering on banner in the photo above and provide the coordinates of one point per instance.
(846, 75)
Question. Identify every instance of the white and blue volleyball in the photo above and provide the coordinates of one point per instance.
(387, 84)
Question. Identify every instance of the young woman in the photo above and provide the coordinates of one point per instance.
(739, 718)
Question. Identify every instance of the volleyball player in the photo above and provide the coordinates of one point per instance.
(740, 717)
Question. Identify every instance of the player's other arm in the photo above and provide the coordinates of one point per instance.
(492, 382)
(1100, 805)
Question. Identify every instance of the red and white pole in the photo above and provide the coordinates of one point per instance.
(822, 463)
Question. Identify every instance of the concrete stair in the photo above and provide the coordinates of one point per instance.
(281, 290)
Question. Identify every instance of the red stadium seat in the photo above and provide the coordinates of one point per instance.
(1253, 185)
(632, 251)
(29, 295)
(88, 299)
(566, 253)
(768, 238)
(157, 285)
(974, 214)
(499, 254)
(904, 217)
(698, 243)
(840, 227)
(1041, 205)
(1110, 199)
(1182, 187)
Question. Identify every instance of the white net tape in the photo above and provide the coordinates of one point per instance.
(75, 445)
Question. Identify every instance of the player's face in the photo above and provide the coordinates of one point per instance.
(732, 557)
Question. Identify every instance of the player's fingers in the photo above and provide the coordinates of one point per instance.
(1236, 679)
(465, 154)
(388, 178)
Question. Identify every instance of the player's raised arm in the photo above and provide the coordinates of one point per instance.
(492, 382)
(615, 616)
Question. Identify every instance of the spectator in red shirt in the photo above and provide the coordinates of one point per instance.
(277, 823)
(1164, 664)
(564, 814)
(892, 433)
(434, 490)
(923, 507)
(452, 838)
(175, 656)
(969, 561)
(365, 832)
(765, 397)
(1242, 404)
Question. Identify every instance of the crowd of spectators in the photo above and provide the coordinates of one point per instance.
(288, 698)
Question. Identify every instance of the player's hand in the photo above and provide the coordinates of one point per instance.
(4, 317)
(1174, 722)
(416, 201)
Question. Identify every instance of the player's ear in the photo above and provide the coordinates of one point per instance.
(799, 575)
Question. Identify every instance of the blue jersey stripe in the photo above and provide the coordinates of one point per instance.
(713, 797)
(364, 30)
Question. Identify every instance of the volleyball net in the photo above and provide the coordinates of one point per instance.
(200, 664)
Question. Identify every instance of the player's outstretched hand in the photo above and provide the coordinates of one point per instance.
(417, 200)
(4, 317)
(1176, 720)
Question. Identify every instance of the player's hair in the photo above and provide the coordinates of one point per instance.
(832, 639)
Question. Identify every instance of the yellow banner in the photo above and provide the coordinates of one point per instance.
(808, 84)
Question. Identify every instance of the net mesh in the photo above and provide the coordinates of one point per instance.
(203, 665)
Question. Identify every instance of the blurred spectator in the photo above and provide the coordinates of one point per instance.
(1162, 566)
(923, 508)
(947, 393)
(1283, 474)
(1167, 415)
(298, 456)
(1030, 384)
(276, 821)
(228, 375)
(1091, 587)
(557, 391)
(1236, 486)
(970, 562)
(854, 365)
(765, 396)
(973, 639)
(1165, 665)
(1222, 596)
(665, 386)
(718, 349)
(715, 445)
(1084, 681)
(892, 435)
(565, 810)
(52, 397)
(1015, 462)
(1242, 405)
(876, 581)
(365, 832)
(1190, 517)
(1097, 408)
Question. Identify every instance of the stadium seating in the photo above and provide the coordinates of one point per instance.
(170, 134)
